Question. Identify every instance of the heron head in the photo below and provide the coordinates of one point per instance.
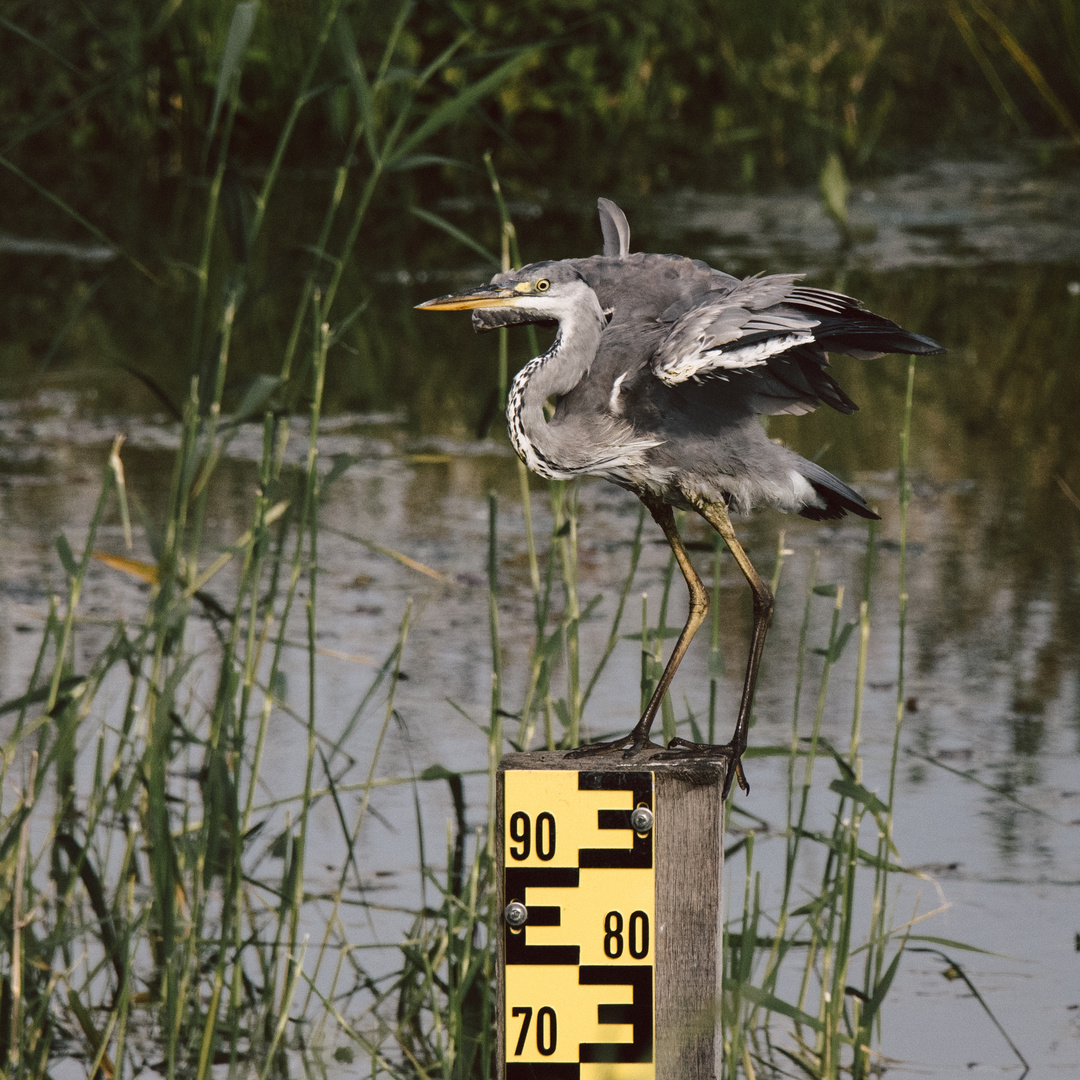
(538, 293)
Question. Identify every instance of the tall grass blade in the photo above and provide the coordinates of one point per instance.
(1029, 68)
(955, 971)
(453, 109)
(986, 65)
(452, 230)
(232, 56)
(71, 212)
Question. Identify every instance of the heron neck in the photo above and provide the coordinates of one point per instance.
(554, 373)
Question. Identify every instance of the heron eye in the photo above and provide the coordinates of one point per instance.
(543, 285)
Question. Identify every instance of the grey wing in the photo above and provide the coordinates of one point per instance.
(776, 334)
(737, 329)
(616, 229)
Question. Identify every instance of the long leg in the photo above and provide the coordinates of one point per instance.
(717, 516)
(699, 607)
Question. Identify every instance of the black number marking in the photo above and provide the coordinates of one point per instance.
(521, 833)
(545, 852)
(613, 935)
(639, 935)
(525, 1011)
(546, 1046)
(547, 1030)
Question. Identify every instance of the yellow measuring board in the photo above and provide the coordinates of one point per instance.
(579, 972)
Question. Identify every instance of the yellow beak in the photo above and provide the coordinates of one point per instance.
(485, 296)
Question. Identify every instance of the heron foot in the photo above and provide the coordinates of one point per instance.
(682, 750)
(630, 744)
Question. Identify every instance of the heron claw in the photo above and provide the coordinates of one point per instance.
(628, 743)
(729, 751)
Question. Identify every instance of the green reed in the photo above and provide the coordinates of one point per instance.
(137, 897)
(637, 98)
(806, 979)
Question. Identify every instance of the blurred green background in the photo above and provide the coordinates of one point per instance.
(113, 124)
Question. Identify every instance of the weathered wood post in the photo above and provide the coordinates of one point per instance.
(609, 886)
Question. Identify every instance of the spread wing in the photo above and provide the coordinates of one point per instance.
(778, 333)
(615, 229)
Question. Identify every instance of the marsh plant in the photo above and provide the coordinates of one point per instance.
(140, 924)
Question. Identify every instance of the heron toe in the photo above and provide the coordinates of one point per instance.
(630, 744)
(684, 750)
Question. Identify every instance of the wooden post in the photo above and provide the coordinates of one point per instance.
(614, 972)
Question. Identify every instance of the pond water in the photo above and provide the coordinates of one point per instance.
(984, 257)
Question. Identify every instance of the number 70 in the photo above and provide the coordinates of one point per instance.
(546, 1031)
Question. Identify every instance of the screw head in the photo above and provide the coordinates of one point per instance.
(516, 914)
(642, 819)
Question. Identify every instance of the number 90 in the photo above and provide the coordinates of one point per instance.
(522, 833)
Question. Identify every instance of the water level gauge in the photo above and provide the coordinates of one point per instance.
(579, 925)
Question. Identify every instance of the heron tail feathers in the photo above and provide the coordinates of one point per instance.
(837, 499)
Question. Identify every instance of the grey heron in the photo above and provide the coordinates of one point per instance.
(658, 373)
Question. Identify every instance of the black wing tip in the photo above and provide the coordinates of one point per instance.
(926, 346)
(834, 509)
(837, 497)
(867, 338)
